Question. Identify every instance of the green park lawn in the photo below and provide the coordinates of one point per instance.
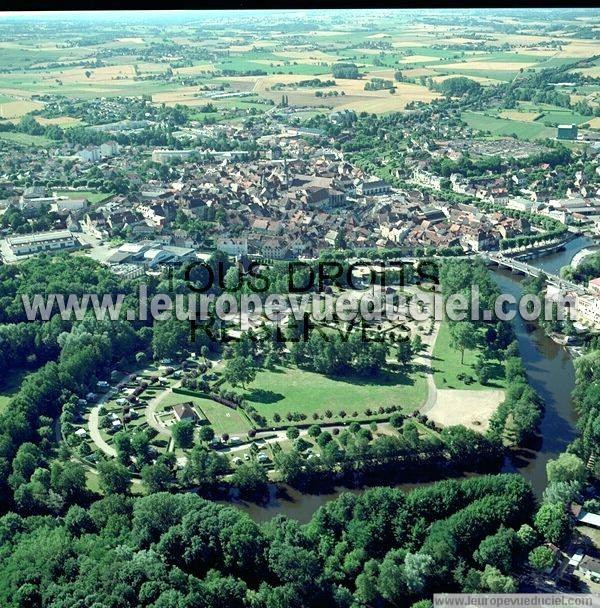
(446, 364)
(221, 418)
(290, 389)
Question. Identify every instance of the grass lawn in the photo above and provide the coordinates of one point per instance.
(221, 418)
(446, 364)
(284, 390)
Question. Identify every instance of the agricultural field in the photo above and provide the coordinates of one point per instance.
(24, 139)
(502, 127)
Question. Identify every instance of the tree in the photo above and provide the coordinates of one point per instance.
(251, 479)
(292, 433)
(156, 477)
(183, 433)
(416, 344)
(541, 558)
(552, 522)
(170, 337)
(463, 336)
(239, 370)
(416, 568)
(397, 420)
(567, 467)
(122, 443)
(206, 434)
(497, 549)
(404, 351)
(113, 477)
(493, 580)
(314, 430)
(527, 537)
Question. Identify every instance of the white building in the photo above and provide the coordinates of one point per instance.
(89, 154)
(169, 156)
(429, 180)
(233, 245)
(588, 310)
(56, 240)
(64, 203)
(34, 203)
(109, 148)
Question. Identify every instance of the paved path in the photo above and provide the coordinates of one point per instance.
(426, 359)
(150, 413)
(93, 424)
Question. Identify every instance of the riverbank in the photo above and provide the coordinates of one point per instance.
(550, 371)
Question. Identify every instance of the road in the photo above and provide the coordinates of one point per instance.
(93, 424)
(267, 436)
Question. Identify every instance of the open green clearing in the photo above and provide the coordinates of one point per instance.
(24, 139)
(290, 389)
(10, 386)
(220, 417)
(502, 127)
(446, 365)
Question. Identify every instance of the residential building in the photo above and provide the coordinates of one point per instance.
(233, 245)
(185, 411)
(168, 156)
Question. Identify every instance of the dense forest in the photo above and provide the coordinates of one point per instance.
(382, 548)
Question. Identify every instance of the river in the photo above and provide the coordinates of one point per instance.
(550, 371)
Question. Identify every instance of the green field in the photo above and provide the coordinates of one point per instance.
(221, 418)
(446, 365)
(502, 127)
(25, 139)
(284, 390)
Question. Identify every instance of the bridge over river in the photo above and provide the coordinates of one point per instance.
(532, 271)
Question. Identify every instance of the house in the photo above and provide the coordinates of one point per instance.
(185, 411)
(583, 517)
(588, 310)
(594, 286)
(590, 568)
(64, 203)
(94, 223)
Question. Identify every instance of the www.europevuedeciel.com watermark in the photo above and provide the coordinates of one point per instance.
(322, 296)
